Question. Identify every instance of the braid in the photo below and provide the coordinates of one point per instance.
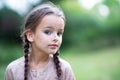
(57, 65)
(26, 51)
(31, 23)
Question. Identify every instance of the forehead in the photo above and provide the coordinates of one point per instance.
(52, 21)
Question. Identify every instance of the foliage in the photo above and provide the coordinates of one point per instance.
(86, 28)
(83, 27)
(10, 23)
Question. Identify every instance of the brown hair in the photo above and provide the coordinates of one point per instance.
(32, 20)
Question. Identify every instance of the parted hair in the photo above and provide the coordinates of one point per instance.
(31, 22)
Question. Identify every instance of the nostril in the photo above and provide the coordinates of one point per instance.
(55, 39)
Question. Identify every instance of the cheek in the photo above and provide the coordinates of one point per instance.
(60, 40)
(43, 38)
(39, 37)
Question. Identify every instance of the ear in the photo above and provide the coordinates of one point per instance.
(30, 35)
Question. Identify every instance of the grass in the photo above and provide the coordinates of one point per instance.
(94, 65)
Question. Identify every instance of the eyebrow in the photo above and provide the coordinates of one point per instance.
(53, 28)
(49, 27)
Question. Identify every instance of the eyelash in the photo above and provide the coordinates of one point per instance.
(59, 33)
(49, 33)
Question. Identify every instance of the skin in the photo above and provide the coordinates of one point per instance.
(46, 40)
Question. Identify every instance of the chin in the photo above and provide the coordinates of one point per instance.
(53, 52)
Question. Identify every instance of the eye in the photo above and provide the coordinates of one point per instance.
(59, 33)
(47, 32)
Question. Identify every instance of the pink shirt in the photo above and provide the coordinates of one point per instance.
(15, 71)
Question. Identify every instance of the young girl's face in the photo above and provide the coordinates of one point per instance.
(47, 37)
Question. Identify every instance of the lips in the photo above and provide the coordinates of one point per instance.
(53, 46)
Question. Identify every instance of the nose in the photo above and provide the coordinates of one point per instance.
(55, 38)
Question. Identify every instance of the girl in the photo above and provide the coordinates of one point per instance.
(42, 37)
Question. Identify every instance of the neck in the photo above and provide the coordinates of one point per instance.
(38, 60)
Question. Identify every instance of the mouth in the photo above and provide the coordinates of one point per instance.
(53, 46)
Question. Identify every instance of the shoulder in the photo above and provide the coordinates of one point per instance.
(64, 63)
(14, 69)
(67, 70)
(16, 63)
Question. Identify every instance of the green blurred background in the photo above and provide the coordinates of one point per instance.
(91, 41)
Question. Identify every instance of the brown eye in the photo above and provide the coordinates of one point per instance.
(59, 33)
(48, 32)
